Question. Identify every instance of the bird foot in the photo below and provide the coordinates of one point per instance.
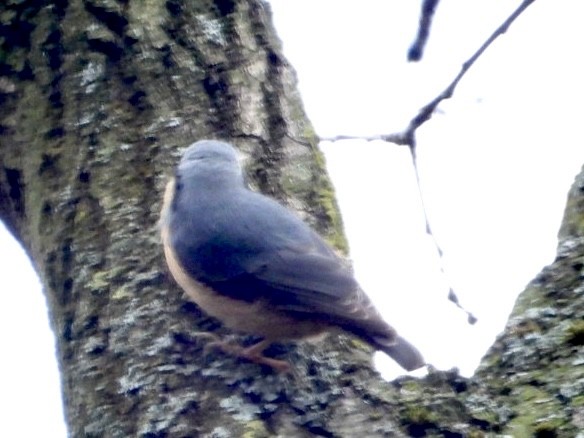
(252, 354)
(206, 336)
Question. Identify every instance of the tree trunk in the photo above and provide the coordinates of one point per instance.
(98, 98)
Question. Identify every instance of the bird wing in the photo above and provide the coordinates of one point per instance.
(251, 248)
(309, 282)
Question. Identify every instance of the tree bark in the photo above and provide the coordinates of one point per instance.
(98, 98)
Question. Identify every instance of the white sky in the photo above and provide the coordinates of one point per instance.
(496, 163)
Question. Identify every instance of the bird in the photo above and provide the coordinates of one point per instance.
(257, 267)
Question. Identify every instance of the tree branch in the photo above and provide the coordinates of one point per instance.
(425, 113)
(408, 136)
(426, 16)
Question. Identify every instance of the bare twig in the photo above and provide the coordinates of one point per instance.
(451, 294)
(425, 113)
(408, 136)
(427, 14)
(390, 138)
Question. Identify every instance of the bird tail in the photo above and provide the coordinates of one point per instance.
(400, 350)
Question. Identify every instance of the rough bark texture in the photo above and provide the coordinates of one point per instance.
(97, 99)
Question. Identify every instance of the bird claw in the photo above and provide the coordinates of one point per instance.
(280, 366)
(206, 336)
(251, 354)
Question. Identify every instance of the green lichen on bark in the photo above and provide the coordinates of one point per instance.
(536, 365)
(573, 222)
(326, 200)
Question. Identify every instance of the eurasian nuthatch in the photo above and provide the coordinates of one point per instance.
(257, 267)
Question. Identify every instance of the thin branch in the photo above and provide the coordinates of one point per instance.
(451, 294)
(425, 113)
(408, 136)
(390, 138)
(426, 16)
